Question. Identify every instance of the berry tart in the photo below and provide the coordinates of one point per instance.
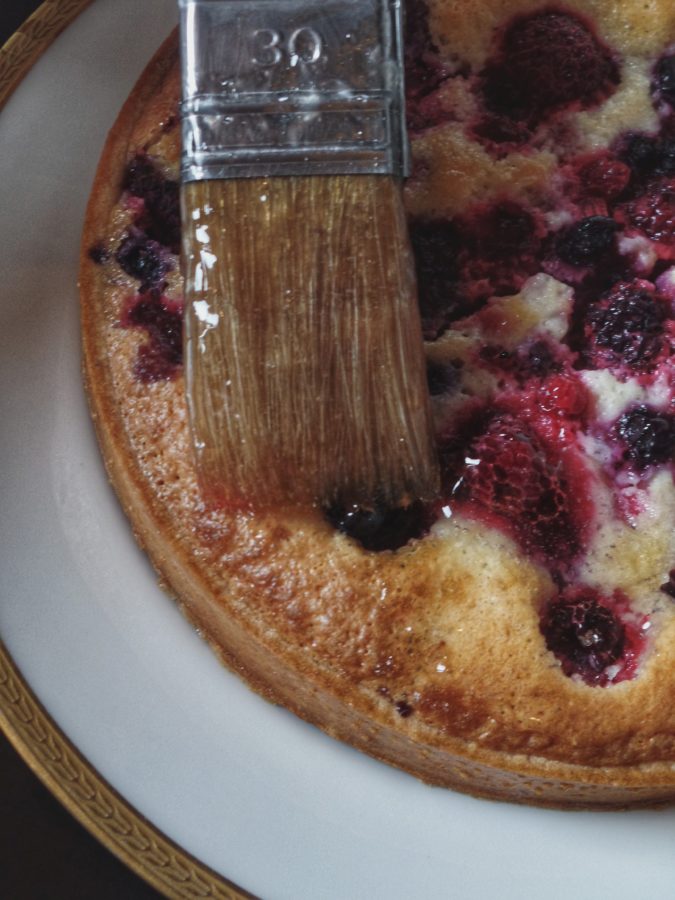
(515, 638)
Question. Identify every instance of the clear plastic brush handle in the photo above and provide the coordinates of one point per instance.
(292, 87)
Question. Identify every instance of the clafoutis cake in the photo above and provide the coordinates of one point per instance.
(514, 637)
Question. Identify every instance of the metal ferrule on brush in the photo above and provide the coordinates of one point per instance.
(292, 87)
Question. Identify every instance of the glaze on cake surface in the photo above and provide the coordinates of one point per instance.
(515, 638)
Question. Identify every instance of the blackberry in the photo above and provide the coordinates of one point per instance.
(648, 157)
(142, 258)
(161, 218)
(540, 360)
(379, 527)
(97, 253)
(162, 354)
(535, 361)
(586, 241)
(498, 129)
(500, 247)
(663, 83)
(140, 176)
(584, 634)
(666, 161)
(424, 70)
(502, 231)
(403, 708)
(641, 153)
(627, 326)
(648, 436)
(164, 209)
(669, 587)
(435, 247)
(441, 378)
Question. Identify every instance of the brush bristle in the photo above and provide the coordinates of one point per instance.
(305, 366)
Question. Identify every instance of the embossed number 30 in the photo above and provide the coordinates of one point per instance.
(270, 47)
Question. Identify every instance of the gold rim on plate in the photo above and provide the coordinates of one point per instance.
(28, 726)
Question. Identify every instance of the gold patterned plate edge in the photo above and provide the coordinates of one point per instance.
(25, 722)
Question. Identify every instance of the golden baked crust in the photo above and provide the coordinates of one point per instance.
(430, 657)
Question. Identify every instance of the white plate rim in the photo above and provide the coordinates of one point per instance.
(44, 747)
(494, 844)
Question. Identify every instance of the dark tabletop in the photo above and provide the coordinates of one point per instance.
(44, 853)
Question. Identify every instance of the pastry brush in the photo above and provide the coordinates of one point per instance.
(305, 368)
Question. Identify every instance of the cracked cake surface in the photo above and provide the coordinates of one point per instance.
(514, 638)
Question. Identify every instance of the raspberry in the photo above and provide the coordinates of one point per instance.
(583, 630)
(604, 176)
(162, 320)
(647, 435)
(654, 212)
(379, 527)
(546, 61)
(626, 327)
(554, 406)
(563, 394)
(586, 241)
(509, 475)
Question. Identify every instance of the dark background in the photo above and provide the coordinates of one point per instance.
(44, 853)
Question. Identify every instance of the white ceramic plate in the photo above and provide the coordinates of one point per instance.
(259, 796)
